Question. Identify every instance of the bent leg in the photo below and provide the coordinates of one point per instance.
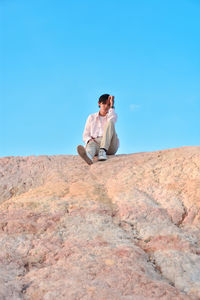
(92, 148)
(110, 140)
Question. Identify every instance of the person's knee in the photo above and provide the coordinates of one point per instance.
(91, 144)
(111, 152)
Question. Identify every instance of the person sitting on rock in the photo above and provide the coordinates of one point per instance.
(99, 135)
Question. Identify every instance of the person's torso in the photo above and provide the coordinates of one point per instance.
(98, 124)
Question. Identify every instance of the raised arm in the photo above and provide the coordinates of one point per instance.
(111, 113)
(111, 99)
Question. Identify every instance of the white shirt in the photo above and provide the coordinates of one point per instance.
(103, 121)
(95, 124)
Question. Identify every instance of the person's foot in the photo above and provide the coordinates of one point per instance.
(102, 154)
(84, 155)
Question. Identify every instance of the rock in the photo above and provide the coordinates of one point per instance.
(127, 228)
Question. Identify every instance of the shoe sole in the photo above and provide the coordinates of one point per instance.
(81, 151)
(102, 159)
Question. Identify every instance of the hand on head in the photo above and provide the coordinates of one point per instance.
(111, 100)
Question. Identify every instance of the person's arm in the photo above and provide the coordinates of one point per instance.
(87, 131)
(111, 98)
(111, 113)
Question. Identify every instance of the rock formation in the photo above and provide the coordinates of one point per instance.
(127, 228)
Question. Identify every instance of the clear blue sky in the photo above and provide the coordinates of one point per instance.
(58, 57)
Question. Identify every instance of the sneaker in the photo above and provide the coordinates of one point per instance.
(84, 154)
(102, 155)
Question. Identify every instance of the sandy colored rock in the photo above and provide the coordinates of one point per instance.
(127, 228)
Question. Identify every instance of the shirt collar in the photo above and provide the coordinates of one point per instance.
(97, 115)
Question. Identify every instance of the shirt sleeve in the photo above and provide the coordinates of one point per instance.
(87, 130)
(112, 115)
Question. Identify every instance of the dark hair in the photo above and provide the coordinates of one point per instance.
(103, 98)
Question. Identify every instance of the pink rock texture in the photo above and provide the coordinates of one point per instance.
(127, 228)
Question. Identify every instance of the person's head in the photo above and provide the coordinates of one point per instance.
(103, 98)
(104, 104)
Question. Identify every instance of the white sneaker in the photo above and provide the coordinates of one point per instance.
(85, 155)
(102, 155)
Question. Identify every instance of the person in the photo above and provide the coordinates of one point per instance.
(99, 135)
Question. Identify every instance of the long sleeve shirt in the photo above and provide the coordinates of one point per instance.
(95, 124)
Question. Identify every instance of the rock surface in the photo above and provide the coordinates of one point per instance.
(127, 228)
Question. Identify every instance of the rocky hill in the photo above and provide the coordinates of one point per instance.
(127, 228)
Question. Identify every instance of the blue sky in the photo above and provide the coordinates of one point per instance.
(58, 57)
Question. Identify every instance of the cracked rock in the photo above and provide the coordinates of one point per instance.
(127, 228)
